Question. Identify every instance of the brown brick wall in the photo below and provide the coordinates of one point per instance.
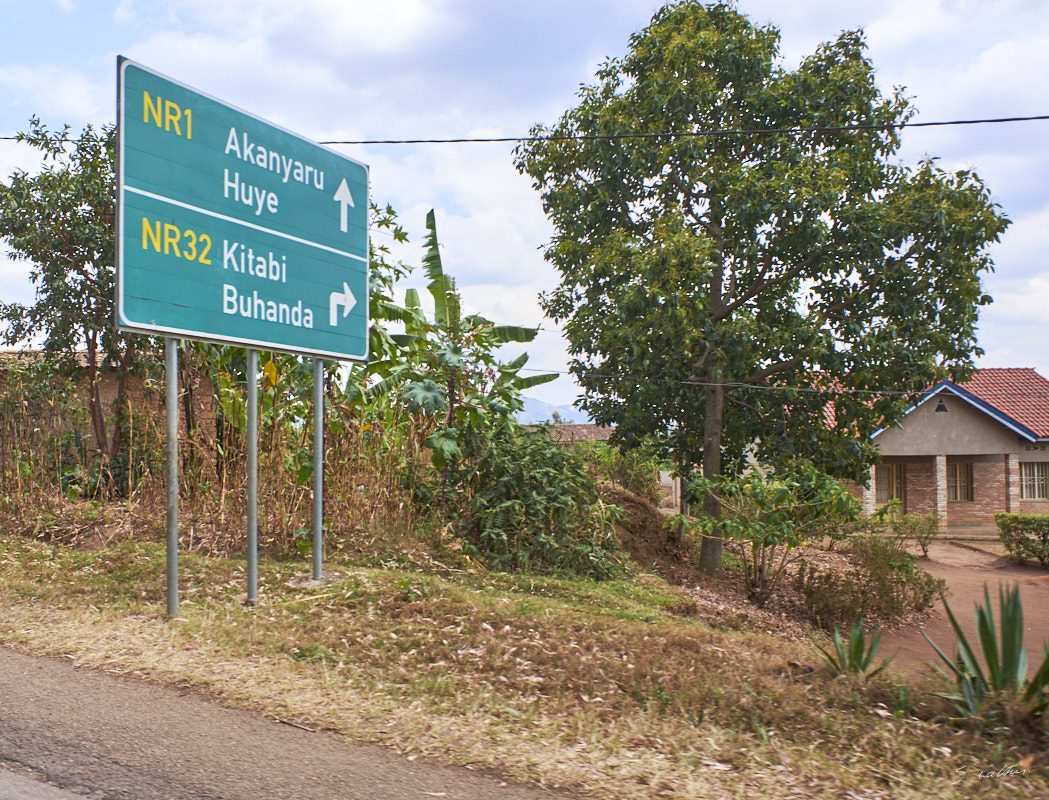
(1034, 507)
(989, 496)
(920, 492)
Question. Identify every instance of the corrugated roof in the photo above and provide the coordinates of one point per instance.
(1018, 392)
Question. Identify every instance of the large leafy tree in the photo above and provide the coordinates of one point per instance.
(60, 221)
(739, 247)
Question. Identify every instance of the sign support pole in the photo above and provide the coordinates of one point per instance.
(252, 446)
(171, 478)
(233, 230)
(318, 467)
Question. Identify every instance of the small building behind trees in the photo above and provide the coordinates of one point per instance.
(966, 451)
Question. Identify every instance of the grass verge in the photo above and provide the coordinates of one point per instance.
(609, 689)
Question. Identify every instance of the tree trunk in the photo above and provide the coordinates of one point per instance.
(684, 472)
(710, 551)
(122, 417)
(94, 399)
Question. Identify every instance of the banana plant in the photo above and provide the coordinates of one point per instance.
(446, 368)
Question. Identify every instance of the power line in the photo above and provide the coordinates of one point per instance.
(694, 134)
(743, 385)
(832, 391)
(686, 134)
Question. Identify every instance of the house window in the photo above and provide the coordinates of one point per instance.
(959, 480)
(888, 483)
(1033, 481)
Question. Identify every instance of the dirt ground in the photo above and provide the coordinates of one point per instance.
(967, 569)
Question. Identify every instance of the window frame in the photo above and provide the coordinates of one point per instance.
(960, 482)
(1034, 486)
(891, 478)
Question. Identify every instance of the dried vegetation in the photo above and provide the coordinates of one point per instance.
(630, 688)
(652, 684)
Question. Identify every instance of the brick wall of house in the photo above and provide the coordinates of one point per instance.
(855, 490)
(1034, 507)
(989, 495)
(920, 494)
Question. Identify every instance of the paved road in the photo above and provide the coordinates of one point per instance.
(117, 738)
(18, 787)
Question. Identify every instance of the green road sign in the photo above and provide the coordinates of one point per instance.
(235, 230)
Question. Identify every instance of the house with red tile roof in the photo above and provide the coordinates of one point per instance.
(968, 450)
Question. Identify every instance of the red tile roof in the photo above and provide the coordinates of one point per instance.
(1018, 392)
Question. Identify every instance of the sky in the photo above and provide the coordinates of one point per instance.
(410, 69)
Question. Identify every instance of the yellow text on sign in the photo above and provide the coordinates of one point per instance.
(163, 237)
(167, 114)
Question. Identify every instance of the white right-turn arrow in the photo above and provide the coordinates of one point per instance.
(345, 299)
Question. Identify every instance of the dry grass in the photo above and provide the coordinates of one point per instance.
(609, 689)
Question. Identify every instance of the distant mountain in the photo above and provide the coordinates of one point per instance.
(538, 411)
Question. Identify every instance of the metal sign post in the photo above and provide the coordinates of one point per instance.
(252, 446)
(234, 230)
(171, 477)
(318, 467)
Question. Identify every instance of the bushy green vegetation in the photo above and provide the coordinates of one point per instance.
(534, 508)
(919, 528)
(634, 469)
(767, 516)
(1025, 536)
(884, 582)
(421, 439)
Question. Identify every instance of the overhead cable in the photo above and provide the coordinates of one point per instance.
(684, 134)
(700, 133)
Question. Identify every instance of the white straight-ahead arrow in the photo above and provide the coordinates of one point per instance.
(345, 299)
(343, 196)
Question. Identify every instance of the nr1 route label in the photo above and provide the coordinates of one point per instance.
(235, 230)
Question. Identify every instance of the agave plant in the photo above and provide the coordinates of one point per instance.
(858, 656)
(1005, 658)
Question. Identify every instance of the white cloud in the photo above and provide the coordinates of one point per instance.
(322, 27)
(1027, 240)
(245, 72)
(1012, 330)
(53, 92)
(17, 155)
(14, 278)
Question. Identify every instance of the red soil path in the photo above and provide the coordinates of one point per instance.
(967, 570)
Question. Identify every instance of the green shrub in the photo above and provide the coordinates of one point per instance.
(635, 470)
(1025, 536)
(766, 518)
(835, 598)
(534, 508)
(885, 582)
(922, 528)
(896, 581)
